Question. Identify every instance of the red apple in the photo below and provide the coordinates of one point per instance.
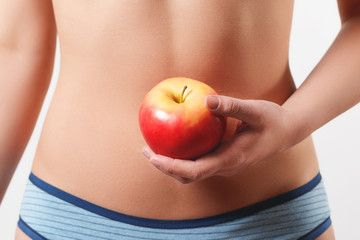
(175, 122)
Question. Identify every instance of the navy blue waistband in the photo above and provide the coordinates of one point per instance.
(176, 224)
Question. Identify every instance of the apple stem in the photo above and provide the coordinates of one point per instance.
(187, 94)
(182, 98)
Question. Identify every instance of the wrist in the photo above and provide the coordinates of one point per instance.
(297, 128)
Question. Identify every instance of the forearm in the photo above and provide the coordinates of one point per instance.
(331, 88)
(24, 80)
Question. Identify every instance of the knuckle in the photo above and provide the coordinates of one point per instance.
(254, 108)
(233, 163)
(231, 107)
(241, 157)
(197, 174)
(171, 168)
(262, 112)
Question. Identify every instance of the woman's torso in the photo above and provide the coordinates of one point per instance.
(114, 52)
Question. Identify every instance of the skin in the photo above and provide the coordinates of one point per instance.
(90, 144)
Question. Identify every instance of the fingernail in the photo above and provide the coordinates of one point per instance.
(146, 153)
(155, 162)
(212, 102)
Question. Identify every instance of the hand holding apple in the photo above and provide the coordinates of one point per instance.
(267, 131)
(175, 122)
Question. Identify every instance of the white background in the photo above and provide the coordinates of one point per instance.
(315, 26)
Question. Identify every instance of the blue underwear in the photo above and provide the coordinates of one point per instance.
(50, 213)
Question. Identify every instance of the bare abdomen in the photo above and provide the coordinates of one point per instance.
(110, 57)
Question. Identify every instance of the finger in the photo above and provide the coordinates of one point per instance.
(178, 178)
(148, 153)
(249, 111)
(223, 159)
(153, 159)
(183, 170)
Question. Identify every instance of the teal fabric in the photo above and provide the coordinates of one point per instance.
(47, 216)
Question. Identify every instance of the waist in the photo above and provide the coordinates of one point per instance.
(131, 185)
(90, 146)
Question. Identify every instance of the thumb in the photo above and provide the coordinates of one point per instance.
(248, 111)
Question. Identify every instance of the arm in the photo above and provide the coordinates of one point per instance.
(331, 88)
(334, 84)
(27, 48)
